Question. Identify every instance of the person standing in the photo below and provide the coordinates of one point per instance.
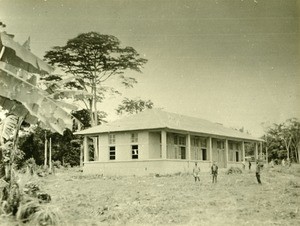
(272, 163)
(249, 164)
(257, 172)
(196, 172)
(214, 172)
(283, 162)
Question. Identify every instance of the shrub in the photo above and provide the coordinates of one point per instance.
(30, 166)
(12, 197)
(34, 213)
(56, 164)
(67, 165)
(26, 209)
(46, 215)
(31, 188)
(293, 184)
(234, 170)
(42, 171)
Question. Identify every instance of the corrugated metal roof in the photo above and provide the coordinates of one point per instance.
(156, 119)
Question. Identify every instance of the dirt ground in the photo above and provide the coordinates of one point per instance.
(236, 199)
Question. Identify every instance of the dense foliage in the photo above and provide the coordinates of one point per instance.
(283, 140)
(129, 106)
(92, 59)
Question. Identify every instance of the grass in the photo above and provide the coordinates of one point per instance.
(236, 199)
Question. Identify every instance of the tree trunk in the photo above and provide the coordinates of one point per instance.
(91, 112)
(298, 154)
(95, 102)
(50, 154)
(45, 153)
(267, 156)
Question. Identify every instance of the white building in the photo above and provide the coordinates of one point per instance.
(158, 142)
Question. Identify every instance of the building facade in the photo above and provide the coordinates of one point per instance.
(158, 142)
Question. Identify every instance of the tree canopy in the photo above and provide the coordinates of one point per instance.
(92, 58)
(133, 106)
(283, 140)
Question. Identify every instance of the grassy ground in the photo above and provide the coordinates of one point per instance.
(177, 200)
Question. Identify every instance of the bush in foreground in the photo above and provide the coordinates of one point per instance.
(234, 170)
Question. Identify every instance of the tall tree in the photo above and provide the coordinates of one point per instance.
(294, 127)
(283, 140)
(92, 59)
(130, 106)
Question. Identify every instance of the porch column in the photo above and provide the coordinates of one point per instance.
(188, 147)
(95, 143)
(163, 144)
(99, 155)
(256, 151)
(86, 156)
(81, 155)
(243, 150)
(210, 149)
(226, 152)
(260, 150)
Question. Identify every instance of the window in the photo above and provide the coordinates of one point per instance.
(182, 141)
(182, 153)
(203, 143)
(112, 153)
(204, 148)
(237, 156)
(195, 142)
(175, 139)
(134, 151)
(111, 138)
(179, 140)
(220, 144)
(134, 138)
(236, 146)
(204, 154)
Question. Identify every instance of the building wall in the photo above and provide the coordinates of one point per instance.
(123, 146)
(154, 145)
(103, 147)
(235, 164)
(149, 159)
(219, 155)
(235, 147)
(178, 150)
(142, 167)
(199, 145)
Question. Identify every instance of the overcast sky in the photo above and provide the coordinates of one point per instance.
(234, 62)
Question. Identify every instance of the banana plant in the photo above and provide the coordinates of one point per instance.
(25, 101)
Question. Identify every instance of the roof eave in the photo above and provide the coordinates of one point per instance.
(138, 129)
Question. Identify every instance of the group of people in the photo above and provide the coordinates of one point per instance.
(214, 171)
(284, 162)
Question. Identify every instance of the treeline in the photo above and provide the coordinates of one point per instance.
(66, 148)
(283, 140)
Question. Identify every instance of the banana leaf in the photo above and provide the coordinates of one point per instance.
(21, 57)
(28, 101)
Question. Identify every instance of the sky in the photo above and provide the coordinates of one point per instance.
(234, 62)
